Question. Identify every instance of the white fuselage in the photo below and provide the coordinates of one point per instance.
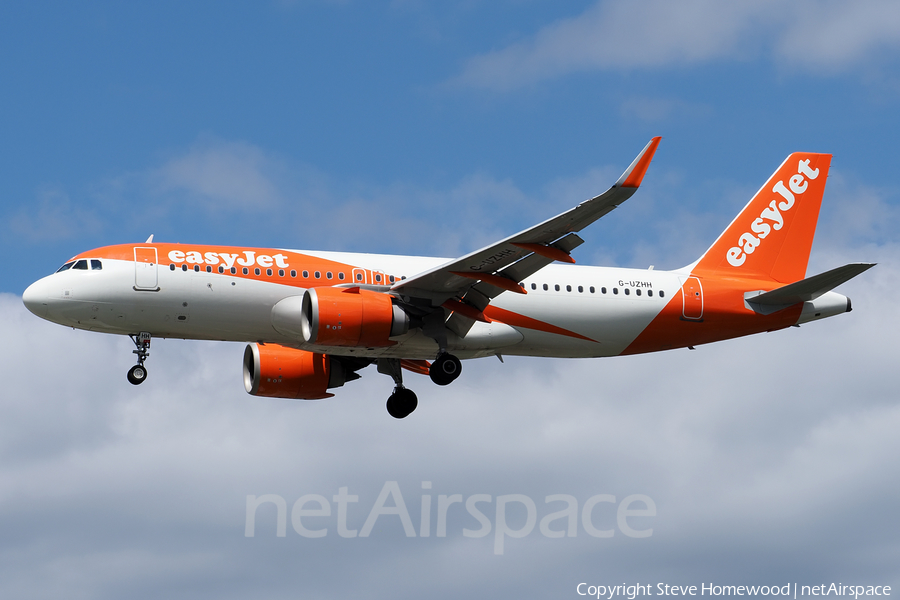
(603, 308)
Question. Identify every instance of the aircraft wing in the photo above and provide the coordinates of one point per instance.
(467, 284)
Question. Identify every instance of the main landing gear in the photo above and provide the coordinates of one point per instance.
(138, 373)
(403, 401)
(444, 370)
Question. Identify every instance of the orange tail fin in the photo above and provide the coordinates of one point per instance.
(771, 238)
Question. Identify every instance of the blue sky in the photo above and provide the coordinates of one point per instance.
(433, 128)
(395, 104)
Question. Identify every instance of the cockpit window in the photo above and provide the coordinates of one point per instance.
(96, 265)
(65, 267)
(80, 265)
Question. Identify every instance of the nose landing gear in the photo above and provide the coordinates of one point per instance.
(138, 373)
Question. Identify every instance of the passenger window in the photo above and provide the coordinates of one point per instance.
(65, 267)
(221, 269)
(359, 276)
(96, 265)
(269, 272)
(317, 275)
(246, 271)
(638, 292)
(329, 275)
(390, 278)
(196, 268)
(184, 267)
(603, 290)
(662, 294)
(281, 272)
(378, 278)
(650, 293)
(256, 271)
(233, 270)
(592, 290)
(556, 287)
(341, 276)
(306, 274)
(81, 265)
(172, 267)
(627, 291)
(545, 287)
(534, 286)
(293, 273)
(580, 289)
(208, 269)
(568, 288)
(616, 291)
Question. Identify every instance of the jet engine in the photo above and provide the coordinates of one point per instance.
(279, 372)
(347, 317)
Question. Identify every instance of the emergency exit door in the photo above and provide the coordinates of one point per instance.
(692, 295)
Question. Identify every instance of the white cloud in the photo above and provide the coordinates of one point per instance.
(224, 175)
(818, 36)
(836, 36)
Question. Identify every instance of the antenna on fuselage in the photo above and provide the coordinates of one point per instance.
(149, 239)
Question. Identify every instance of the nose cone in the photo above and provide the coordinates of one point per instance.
(36, 299)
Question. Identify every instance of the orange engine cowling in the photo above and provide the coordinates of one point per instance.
(350, 317)
(279, 372)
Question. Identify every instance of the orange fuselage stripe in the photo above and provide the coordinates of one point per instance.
(249, 258)
(516, 320)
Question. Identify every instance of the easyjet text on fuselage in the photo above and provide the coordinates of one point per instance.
(246, 258)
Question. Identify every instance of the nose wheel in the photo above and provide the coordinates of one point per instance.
(138, 373)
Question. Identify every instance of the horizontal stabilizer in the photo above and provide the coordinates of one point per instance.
(810, 288)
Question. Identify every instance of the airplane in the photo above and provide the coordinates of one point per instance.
(313, 319)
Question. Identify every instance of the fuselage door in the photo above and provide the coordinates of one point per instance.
(145, 275)
(692, 295)
(359, 276)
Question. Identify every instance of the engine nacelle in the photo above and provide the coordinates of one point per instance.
(279, 372)
(346, 317)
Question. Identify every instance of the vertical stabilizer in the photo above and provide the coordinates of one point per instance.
(772, 237)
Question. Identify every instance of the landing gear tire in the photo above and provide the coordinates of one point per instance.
(137, 374)
(401, 403)
(445, 369)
